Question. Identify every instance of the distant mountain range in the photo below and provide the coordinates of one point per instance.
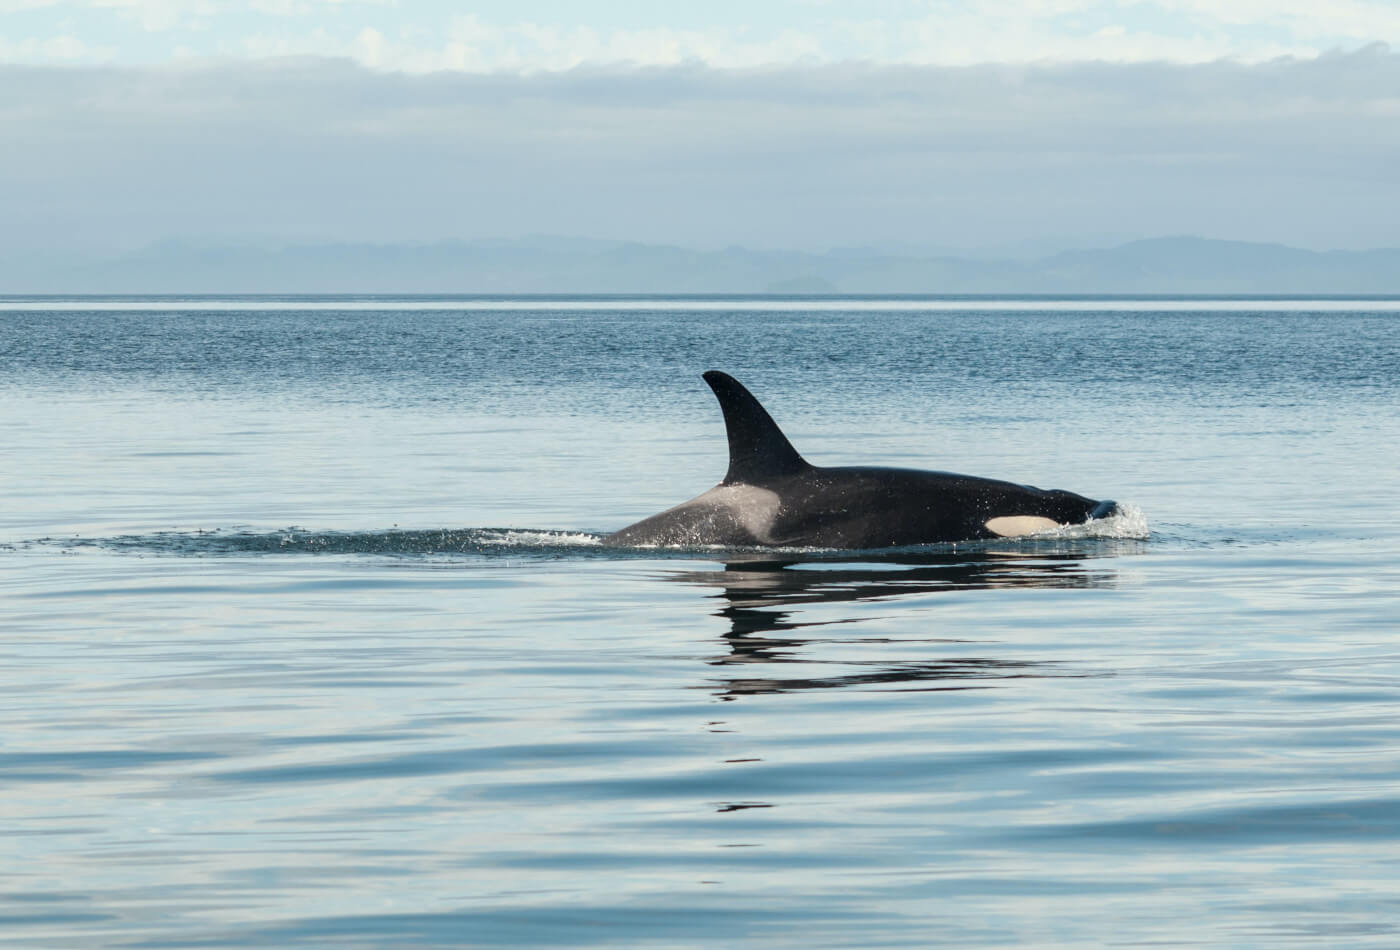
(1177, 265)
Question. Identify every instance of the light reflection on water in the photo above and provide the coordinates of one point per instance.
(1009, 747)
(763, 599)
(388, 729)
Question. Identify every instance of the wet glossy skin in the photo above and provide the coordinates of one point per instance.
(773, 498)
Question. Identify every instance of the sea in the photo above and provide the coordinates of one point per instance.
(309, 637)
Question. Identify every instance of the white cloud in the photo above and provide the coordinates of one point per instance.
(370, 48)
(1294, 151)
(948, 33)
(496, 37)
(282, 8)
(473, 45)
(1307, 19)
(52, 50)
(302, 8)
(161, 15)
(277, 45)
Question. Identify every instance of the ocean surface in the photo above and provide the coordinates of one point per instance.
(309, 640)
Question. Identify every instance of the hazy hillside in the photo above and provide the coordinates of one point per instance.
(559, 265)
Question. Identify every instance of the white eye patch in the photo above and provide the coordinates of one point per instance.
(1012, 526)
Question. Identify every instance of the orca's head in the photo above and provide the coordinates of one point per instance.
(1068, 508)
(1104, 509)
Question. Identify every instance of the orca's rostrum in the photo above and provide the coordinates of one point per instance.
(772, 497)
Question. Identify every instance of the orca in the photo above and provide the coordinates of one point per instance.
(772, 497)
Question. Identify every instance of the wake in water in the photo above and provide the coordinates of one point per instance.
(1129, 524)
(393, 543)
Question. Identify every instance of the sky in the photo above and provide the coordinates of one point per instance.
(493, 36)
(808, 124)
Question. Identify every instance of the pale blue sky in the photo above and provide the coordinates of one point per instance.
(425, 35)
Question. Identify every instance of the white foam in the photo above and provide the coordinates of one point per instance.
(1129, 523)
(526, 538)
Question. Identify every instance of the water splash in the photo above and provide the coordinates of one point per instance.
(1128, 523)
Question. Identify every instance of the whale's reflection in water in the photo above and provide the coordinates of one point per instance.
(769, 605)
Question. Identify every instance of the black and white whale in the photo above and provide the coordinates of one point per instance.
(772, 497)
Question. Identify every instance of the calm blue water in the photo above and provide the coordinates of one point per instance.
(307, 639)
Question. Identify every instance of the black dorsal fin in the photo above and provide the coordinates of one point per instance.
(757, 447)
